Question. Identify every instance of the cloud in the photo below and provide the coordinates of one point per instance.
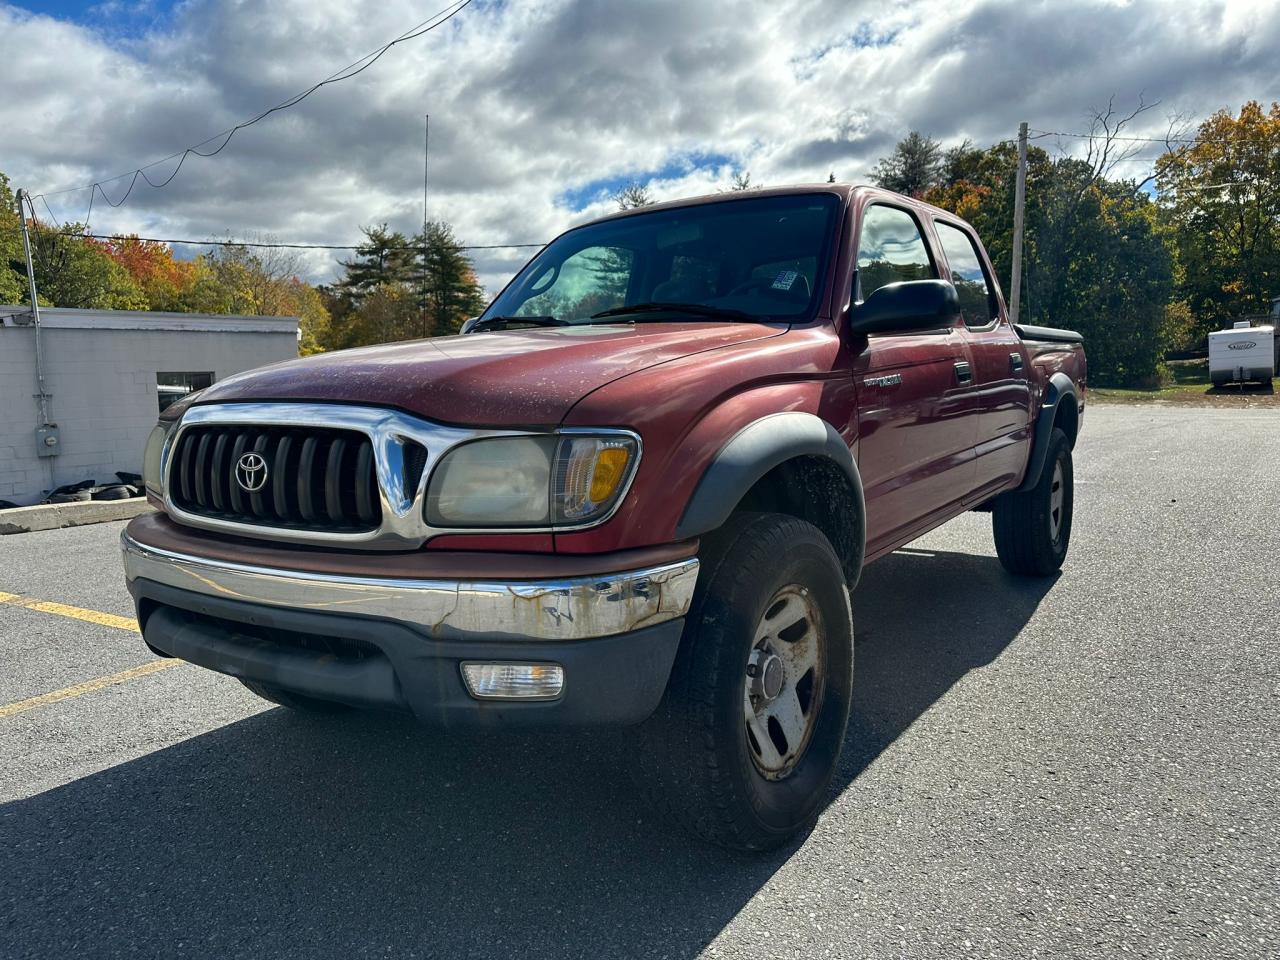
(539, 108)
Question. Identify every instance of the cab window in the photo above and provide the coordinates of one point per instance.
(977, 299)
(891, 249)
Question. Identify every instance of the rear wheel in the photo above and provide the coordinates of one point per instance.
(1033, 529)
(745, 742)
(294, 701)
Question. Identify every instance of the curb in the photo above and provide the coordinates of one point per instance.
(52, 516)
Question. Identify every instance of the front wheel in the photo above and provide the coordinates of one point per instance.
(745, 742)
(1033, 529)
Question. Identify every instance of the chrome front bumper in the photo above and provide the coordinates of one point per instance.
(568, 609)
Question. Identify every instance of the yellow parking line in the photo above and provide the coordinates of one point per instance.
(63, 610)
(89, 686)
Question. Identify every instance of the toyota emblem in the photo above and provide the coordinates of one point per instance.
(251, 472)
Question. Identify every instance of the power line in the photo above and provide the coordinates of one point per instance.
(1040, 134)
(346, 73)
(280, 246)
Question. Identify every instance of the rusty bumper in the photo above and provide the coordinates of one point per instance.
(572, 608)
(400, 643)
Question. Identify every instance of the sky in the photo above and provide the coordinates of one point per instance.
(540, 109)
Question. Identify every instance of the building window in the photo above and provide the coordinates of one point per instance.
(172, 386)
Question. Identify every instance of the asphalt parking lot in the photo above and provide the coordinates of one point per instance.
(1071, 768)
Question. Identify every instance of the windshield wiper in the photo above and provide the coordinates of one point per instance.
(503, 323)
(665, 306)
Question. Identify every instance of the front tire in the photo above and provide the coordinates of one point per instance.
(1033, 529)
(744, 744)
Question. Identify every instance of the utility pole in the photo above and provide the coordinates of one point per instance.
(46, 432)
(1019, 212)
(42, 396)
(426, 158)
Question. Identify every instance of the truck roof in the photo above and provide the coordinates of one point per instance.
(842, 190)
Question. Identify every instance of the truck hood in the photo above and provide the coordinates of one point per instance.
(501, 379)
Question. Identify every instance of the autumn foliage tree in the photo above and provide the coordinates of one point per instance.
(1222, 194)
(166, 281)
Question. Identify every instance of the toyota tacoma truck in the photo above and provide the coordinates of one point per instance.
(637, 490)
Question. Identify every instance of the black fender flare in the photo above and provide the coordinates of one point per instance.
(755, 450)
(1060, 390)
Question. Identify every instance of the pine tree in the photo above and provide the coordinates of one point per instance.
(446, 284)
(385, 257)
(914, 166)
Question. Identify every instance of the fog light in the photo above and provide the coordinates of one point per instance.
(513, 681)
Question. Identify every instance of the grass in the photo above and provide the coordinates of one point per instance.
(1189, 384)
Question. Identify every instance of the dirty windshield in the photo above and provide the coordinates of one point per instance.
(760, 258)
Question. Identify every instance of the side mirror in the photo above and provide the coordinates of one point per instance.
(468, 325)
(910, 305)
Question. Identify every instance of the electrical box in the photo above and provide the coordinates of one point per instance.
(47, 442)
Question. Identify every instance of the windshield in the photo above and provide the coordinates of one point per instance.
(756, 258)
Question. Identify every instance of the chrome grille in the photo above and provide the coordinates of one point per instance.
(313, 478)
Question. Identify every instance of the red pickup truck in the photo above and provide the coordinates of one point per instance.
(637, 490)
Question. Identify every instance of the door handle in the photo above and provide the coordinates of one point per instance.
(1015, 362)
(964, 372)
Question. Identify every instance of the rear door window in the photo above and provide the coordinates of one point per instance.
(977, 299)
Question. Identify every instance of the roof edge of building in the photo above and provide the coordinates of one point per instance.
(71, 318)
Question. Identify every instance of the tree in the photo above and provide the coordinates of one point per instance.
(13, 264)
(261, 282)
(385, 257)
(742, 181)
(386, 313)
(166, 281)
(1222, 195)
(914, 166)
(450, 291)
(74, 271)
(957, 162)
(429, 295)
(314, 322)
(634, 194)
(253, 281)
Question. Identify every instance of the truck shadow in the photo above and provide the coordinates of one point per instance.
(283, 834)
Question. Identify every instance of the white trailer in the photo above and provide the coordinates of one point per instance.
(1242, 353)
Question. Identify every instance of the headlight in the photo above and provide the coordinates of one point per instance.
(543, 481)
(153, 457)
(493, 483)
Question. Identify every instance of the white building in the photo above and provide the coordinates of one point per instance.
(108, 373)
